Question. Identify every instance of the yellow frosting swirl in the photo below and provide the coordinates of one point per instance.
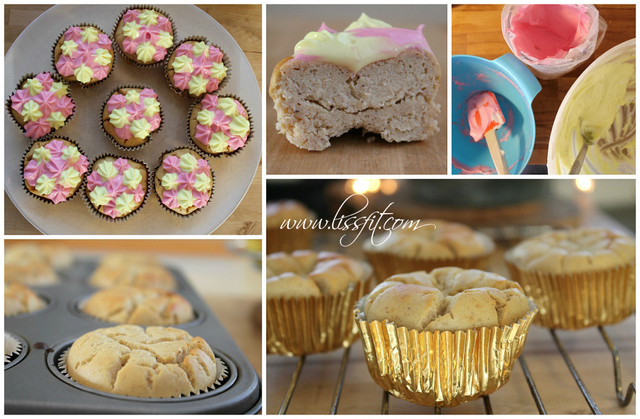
(205, 117)
(119, 118)
(69, 178)
(45, 184)
(365, 21)
(188, 163)
(33, 85)
(228, 106)
(56, 120)
(83, 73)
(132, 96)
(198, 85)
(69, 47)
(41, 154)
(165, 39)
(184, 198)
(152, 106)
(199, 48)
(239, 126)
(125, 203)
(219, 71)
(169, 181)
(218, 142)
(202, 182)
(71, 153)
(106, 170)
(31, 111)
(148, 17)
(183, 64)
(60, 89)
(102, 56)
(131, 178)
(89, 34)
(140, 128)
(99, 196)
(131, 29)
(145, 52)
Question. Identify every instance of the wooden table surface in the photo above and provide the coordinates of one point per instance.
(350, 153)
(244, 23)
(476, 31)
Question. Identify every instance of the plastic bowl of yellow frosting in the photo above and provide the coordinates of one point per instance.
(601, 103)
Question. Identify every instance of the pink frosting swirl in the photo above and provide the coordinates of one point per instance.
(185, 181)
(48, 103)
(201, 67)
(115, 187)
(146, 34)
(84, 54)
(53, 168)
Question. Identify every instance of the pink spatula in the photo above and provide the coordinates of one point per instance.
(485, 117)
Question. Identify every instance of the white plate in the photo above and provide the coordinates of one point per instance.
(31, 53)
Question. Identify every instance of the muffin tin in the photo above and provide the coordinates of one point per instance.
(35, 384)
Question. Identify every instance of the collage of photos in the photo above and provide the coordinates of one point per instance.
(260, 209)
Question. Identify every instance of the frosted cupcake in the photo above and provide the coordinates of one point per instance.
(41, 105)
(117, 187)
(53, 170)
(131, 116)
(144, 35)
(219, 125)
(196, 68)
(183, 181)
(83, 54)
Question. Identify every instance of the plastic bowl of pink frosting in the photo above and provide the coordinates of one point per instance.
(514, 87)
(552, 39)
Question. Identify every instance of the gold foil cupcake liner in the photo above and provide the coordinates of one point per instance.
(201, 146)
(149, 137)
(116, 45)
(442, 368)
(154, 185)
(87, 199)
(300, 326)
(23, 165)
(388, 264)
(185, 93)
(77, 83)
(19, 86)
(582, 299)
(221, 368)
(283, 240)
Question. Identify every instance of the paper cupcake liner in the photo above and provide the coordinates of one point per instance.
(116, 45)
(582, 299)
(12, 348)
(87, 199)
(77, 83)
(441, 368)
(299, 326)
(213, 179)
(198, 144)
(149, 138)
(19, 86)
(185, 93)
(388, 264)
(282, 240)
(22, 166)
(223, 372)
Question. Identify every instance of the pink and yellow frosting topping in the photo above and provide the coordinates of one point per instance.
(148, 35)
(187, 182)
(135, 114)
(43, 104)
(55, 170)
(223, 124)
(116, 187)
(86, 54)
(363, 42)
(198, 67)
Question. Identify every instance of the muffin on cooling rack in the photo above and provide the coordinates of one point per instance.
(144, 35)
(283, 239)
(83, 54)
(445, 337)
(310, 297)
(579, 278)
(437, 244)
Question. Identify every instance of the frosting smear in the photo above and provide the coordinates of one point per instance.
(484, 114)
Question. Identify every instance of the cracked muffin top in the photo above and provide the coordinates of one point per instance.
(447, 299)
(19, 298)
(581, 249)
(445, 240)
(131, 269)
(139, 305)
(159, 362)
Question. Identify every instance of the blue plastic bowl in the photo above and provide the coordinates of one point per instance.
(515, 87)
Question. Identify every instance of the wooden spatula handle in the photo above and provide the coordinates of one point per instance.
(496, 152)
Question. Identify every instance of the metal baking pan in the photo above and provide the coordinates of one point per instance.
(33, 384)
